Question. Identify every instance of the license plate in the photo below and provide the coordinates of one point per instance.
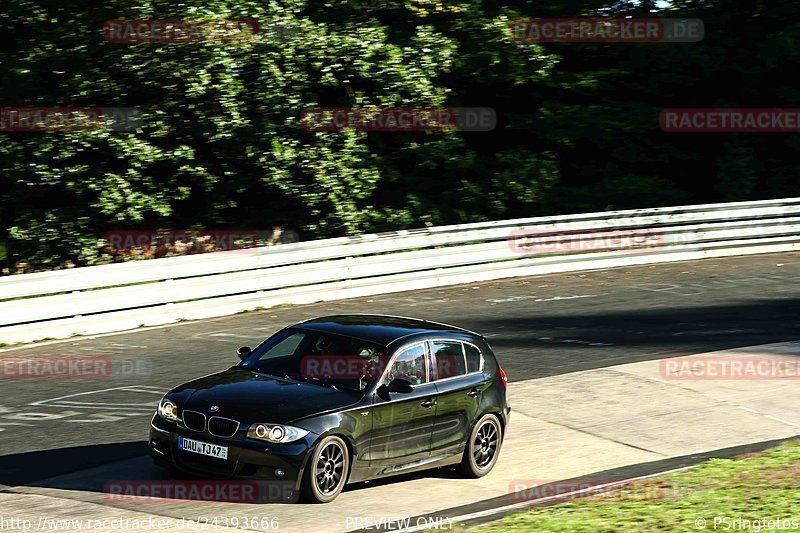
(202, 448)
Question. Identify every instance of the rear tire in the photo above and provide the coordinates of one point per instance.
(483, 447)
(326, 472)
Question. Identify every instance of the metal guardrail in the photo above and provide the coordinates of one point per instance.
(116, 297)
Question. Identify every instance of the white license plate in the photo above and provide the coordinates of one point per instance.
(202, 448)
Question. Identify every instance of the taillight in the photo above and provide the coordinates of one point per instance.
(503, 377)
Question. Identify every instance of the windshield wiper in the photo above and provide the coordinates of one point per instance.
(282, 375)
(322, 382)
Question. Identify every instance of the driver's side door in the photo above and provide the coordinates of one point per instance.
(403, 421)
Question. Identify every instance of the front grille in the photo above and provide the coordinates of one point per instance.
(222, 427)
(194, 420)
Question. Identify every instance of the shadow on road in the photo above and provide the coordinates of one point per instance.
(117, 470)
(29, 467)
(531, 346)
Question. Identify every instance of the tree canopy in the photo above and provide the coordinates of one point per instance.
(220, 143)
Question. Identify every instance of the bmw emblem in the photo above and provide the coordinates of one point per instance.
(214, 408)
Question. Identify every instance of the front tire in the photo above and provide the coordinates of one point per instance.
(326, 472)
(483, 447)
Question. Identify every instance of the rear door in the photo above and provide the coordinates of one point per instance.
(459, 380)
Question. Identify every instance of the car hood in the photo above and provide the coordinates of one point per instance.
(249, 397)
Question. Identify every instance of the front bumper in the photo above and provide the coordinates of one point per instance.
(247, 458)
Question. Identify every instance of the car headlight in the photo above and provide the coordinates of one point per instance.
(168, 410)
(276, 433)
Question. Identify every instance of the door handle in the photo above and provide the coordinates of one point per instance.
(427, 404)
(474, 393)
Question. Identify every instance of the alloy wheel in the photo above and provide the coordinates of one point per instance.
(329, 469)
(485, 444)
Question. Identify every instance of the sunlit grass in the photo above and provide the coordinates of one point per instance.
(750, 487)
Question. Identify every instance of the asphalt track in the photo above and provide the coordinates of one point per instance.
(542, 328)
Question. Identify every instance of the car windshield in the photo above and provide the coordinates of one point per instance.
(322, 358)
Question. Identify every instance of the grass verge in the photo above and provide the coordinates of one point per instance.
(719, 495)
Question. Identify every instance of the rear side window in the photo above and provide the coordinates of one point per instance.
(473, 358)
(449, 358)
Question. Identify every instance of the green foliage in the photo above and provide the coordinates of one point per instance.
(220, 144)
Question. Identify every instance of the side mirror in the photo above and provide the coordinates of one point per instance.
(244, 352)
(396, 385)
(400, 385)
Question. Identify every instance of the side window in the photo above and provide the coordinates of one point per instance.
(473, 358)
(410, 365)
(449, 357)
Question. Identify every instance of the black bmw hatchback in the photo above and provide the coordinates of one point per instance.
(337, 400)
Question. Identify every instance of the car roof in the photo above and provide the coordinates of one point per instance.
(380, 329)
